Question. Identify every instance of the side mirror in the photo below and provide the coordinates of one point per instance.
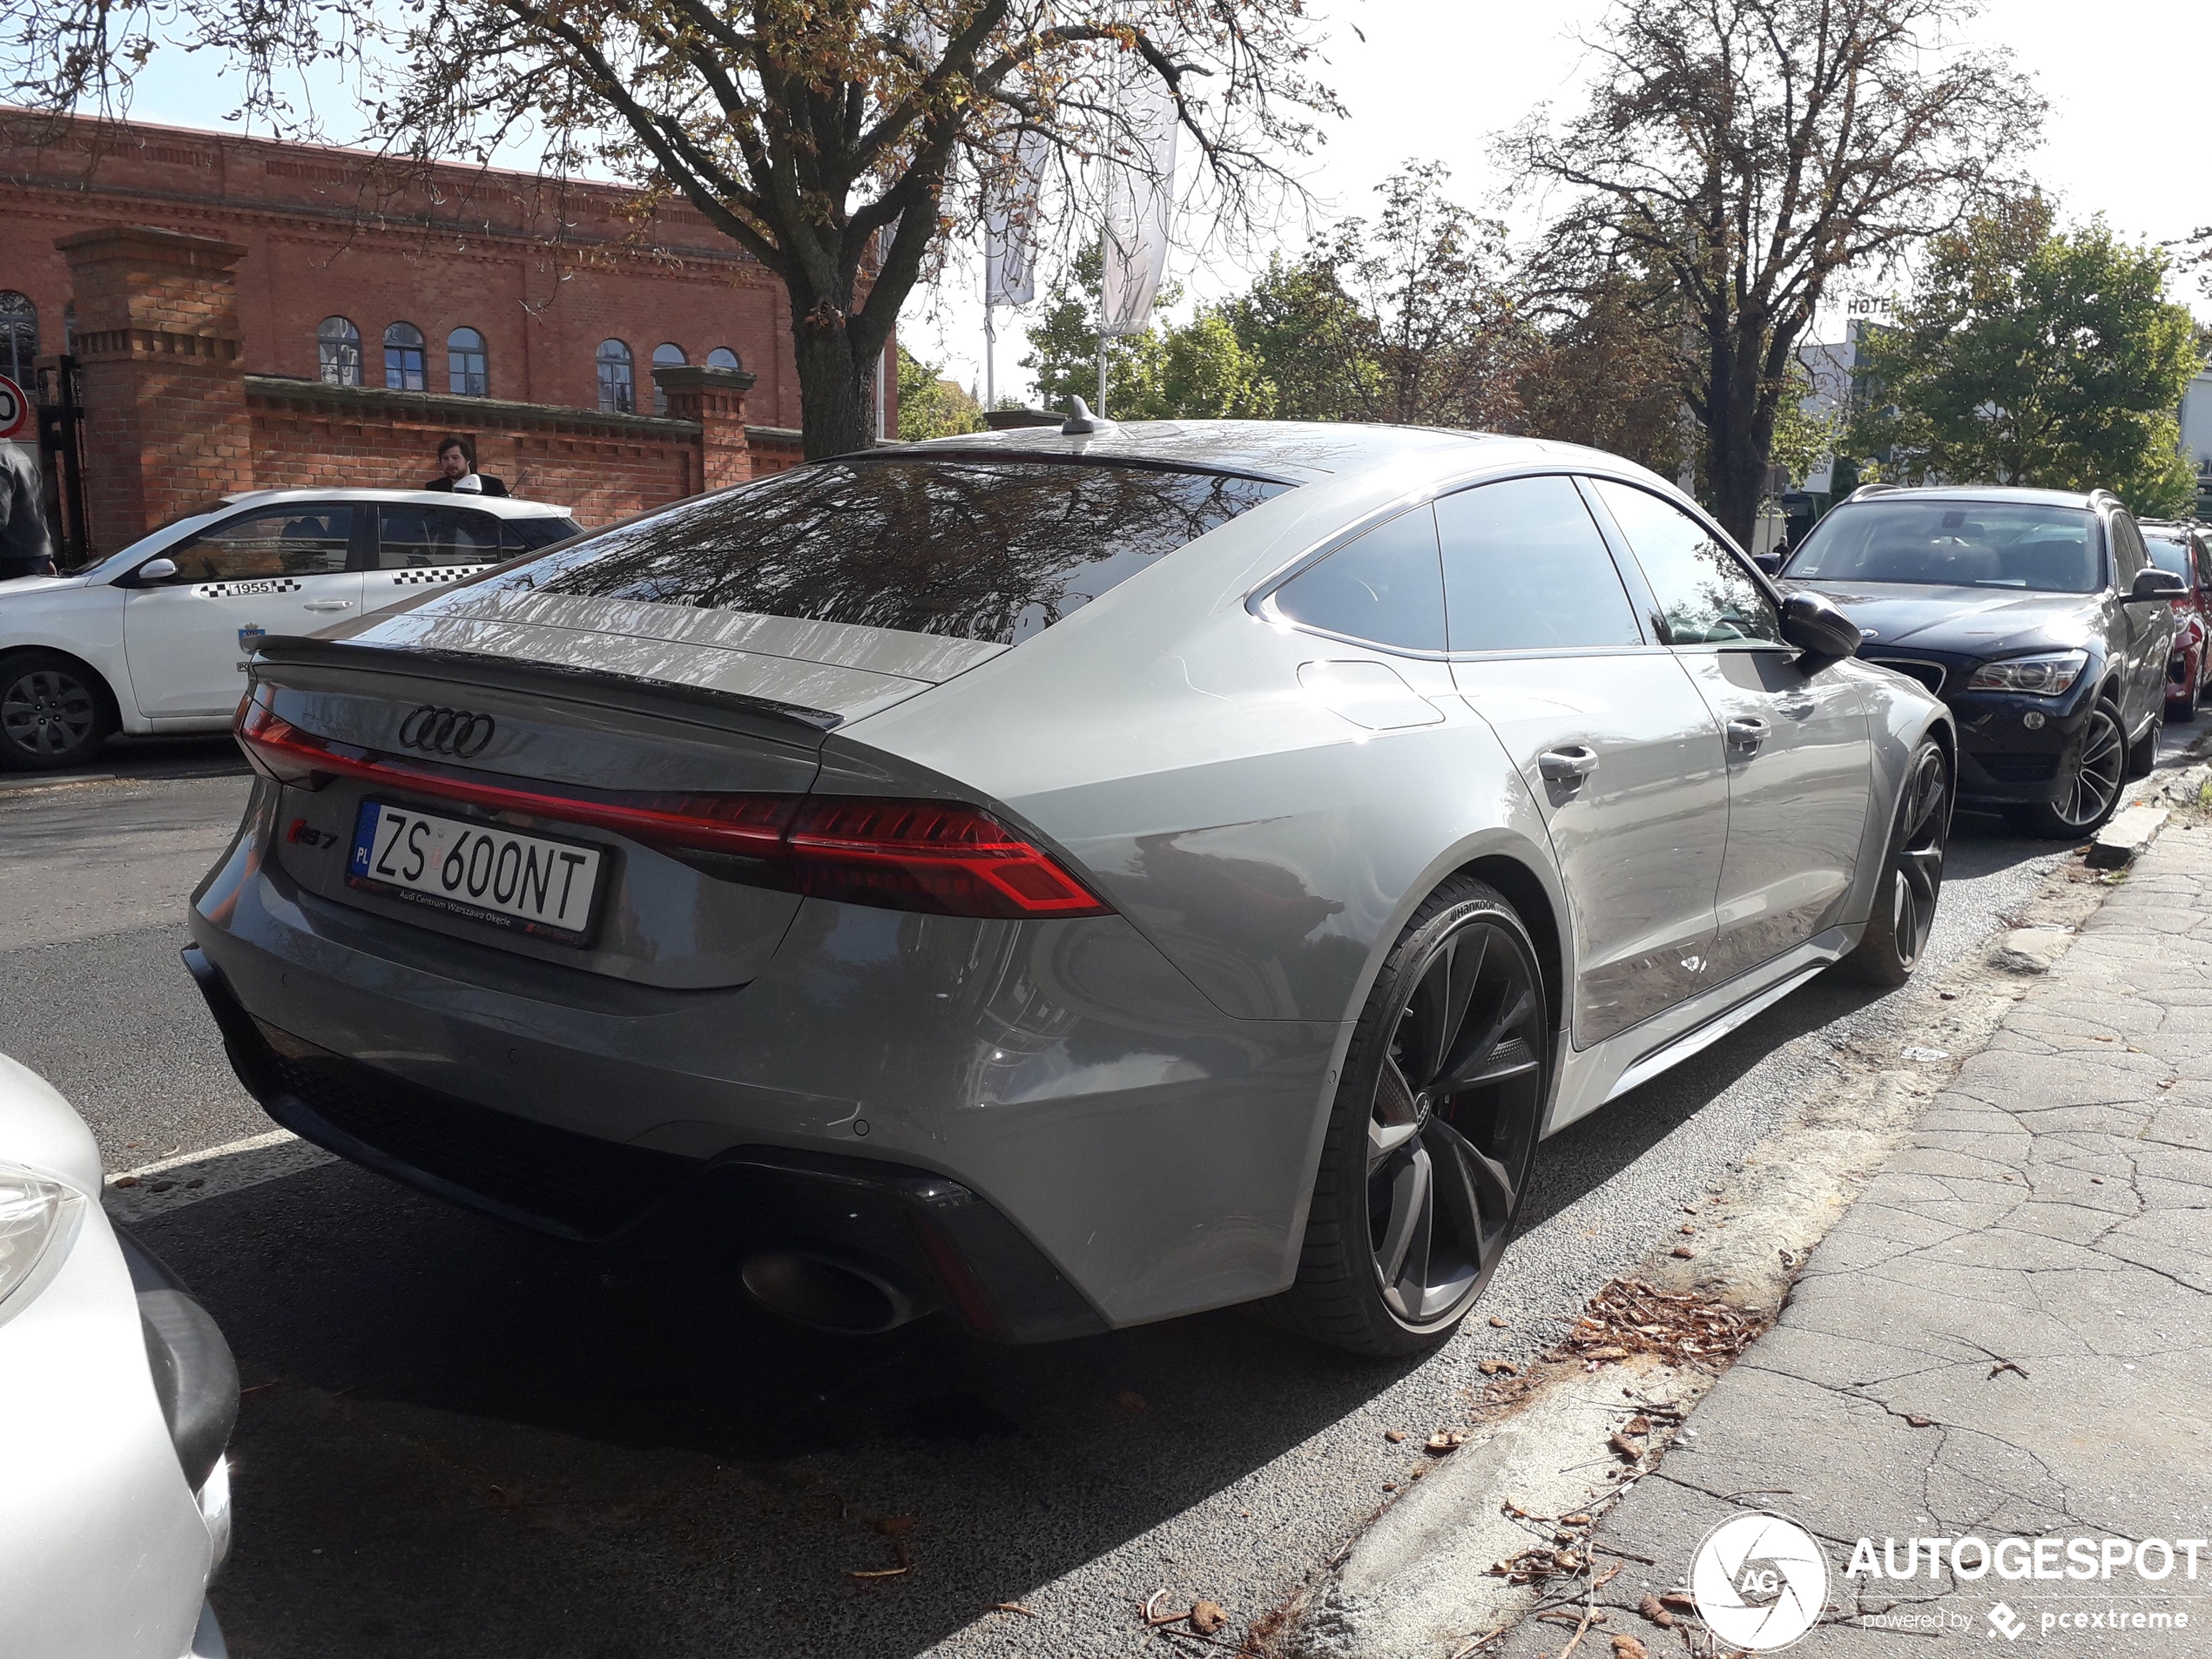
(1770, 563)
(2156, 583)
(1818, 626)
(156, 571)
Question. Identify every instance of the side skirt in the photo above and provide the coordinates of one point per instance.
(1588, 1080)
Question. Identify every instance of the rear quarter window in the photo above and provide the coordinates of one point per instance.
(979, 549)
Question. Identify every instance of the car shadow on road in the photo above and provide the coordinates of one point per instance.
(462, 1439)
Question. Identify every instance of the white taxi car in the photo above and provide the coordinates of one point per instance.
(155, 638)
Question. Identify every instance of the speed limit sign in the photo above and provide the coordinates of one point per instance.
(16, 420)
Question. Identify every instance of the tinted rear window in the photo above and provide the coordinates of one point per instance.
(986, 549)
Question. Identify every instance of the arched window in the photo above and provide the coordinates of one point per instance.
(722, 357)
(18, 337)
(468, 369)
(338, 350)
(667, 354)
(618, 380)
(403, 359)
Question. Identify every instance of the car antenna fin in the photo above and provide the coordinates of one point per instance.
(1083, 422)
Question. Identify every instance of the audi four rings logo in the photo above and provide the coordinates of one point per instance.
(446, 731)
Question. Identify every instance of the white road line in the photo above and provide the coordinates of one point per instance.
(210, 1173)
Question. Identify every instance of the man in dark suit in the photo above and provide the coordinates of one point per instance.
(457, 470)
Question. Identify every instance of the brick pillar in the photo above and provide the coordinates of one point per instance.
(715, 398)
(166, 424)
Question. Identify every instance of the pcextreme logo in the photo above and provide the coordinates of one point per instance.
(1760, 1581)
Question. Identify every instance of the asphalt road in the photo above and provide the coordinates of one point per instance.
(461, 1440)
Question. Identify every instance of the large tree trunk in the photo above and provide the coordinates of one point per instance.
(1735, 454)
(836, 386)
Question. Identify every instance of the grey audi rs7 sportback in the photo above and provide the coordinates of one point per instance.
(1065, 878)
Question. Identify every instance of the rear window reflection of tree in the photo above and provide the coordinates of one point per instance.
(991, 549)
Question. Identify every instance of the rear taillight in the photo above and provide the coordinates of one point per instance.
(929, 855)
(942, 857)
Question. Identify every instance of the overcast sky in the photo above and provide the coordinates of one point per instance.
(1436, 78)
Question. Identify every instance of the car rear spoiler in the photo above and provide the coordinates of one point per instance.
(733, 711)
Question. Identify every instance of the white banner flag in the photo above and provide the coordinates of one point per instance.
(1140, 193)
(1010, 224)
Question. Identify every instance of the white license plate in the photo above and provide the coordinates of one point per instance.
(479, 871)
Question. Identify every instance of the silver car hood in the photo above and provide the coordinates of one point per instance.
(839, 668)
(39, 1129)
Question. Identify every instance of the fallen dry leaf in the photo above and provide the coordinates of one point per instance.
(1687, 1230)
(1445, 1439)
(1918, 1421)
(126, 1180)
(1575, 1521)
(1682, 1252)
(1394, 1435)
(1681, 1601)
(1638, 1425)
(1627, 1646)
(1495, 1367)
(1651, 1609)
(1497, 1324)
(1206, 1617)
(1624, 1447)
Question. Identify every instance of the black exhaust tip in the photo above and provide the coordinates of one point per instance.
(812, 1289)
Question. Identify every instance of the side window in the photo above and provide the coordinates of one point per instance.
(1706, 596)
(527, 535)
(411, 537)
(2128, 554)
(1525, 570)
(305, 538)
(2203, 564)
(1386, 587)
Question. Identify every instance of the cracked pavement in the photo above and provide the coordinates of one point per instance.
(2004, 1335)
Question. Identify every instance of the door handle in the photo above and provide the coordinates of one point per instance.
(1747, 733)
(1567, 766)
(328, 604)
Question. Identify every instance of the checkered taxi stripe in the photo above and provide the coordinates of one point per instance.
(245, 589)
(435, 573)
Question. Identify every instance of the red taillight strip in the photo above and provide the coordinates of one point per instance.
(942, 857)
(751, 825)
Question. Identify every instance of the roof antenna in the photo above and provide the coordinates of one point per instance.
(1082, 420)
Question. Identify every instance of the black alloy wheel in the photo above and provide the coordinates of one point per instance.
(2092, 790)
(1904, 905)
(51, 712)
(1433, 1131)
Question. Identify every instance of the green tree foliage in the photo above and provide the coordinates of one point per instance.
(2033, 355)
(1609, 364)
(1197, 370)
(1409, 317)
(930, 407)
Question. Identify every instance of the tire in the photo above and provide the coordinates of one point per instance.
(1905, 903)
(1418, 1185)
(2142, 755)
(2094, 790)
(53, 712)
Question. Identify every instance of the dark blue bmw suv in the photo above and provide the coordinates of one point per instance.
(2036, 614)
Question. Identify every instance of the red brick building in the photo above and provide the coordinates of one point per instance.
(250, 313)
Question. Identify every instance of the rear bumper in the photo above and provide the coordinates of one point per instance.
(929, 1235)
